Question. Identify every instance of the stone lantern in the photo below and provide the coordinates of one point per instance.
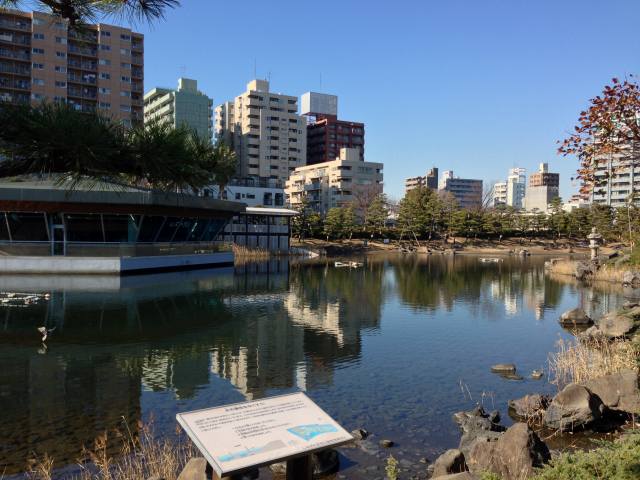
(594, 240)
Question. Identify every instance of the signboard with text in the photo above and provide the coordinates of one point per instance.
(236, 437)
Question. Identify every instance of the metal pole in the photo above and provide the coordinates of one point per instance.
(300, 468)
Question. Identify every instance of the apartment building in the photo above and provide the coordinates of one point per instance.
(516, 187)
(467, 192)
(265, 130)
(499, 194)
(182, 106)
(326, 134)
(99, 68)
(430, 180)
(333, 184)
(617, 177)
(544, 186)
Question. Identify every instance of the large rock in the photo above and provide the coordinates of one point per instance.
(574, 407)
(529, 407)
(575, 317)
(451, 461)
(614, 325)
(513, 456)
(618, 391)
(477, 425)
(631, 278)
(583, 270)
(195, 469)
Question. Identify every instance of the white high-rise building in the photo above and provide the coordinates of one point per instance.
(499, 194)
(516, 187)
(266, 132)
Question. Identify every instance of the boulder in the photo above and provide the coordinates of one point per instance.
(477, 425)
(631, 278)
(195, 469)
(528, 407)
(457, 476)
(360, 433)
(537, 374)
(614, 325)
(387, 443)
(574, 407)
(504, 368)
(575, 317)
(618, 391)
(451, 461)
(513, 456)
(583, 270)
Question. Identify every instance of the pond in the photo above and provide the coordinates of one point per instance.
(395, 347)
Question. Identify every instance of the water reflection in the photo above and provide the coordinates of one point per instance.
(355, 339)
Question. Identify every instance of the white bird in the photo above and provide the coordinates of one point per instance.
(45, 332)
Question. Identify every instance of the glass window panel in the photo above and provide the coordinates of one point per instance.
(214, 227)
(4, 232)
(120, 228)
(169, 228)
(199, 229)
(84, 228)
(184, 229)
(28, 227)
(149, 228)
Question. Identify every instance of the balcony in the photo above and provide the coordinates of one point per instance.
(13, 54)
(18, 25)
(86, 51)
(16, 70)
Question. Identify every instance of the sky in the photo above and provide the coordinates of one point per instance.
(473, 86)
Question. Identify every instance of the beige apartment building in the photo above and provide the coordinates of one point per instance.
(100, 68)
(333, 184)
(266, 132)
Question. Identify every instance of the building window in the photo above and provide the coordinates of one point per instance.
(105, 105)
(104, 61)
(105, 76)
(105, 47)
(38, 36)
(38, 81)
(125, 37)
(61, 54)
(61, 40)
(38, 21)
(125, 108)
(105, 33)
(61, 84)
(125, 79)
(60, 69)
(126, 66)
(38, 51)
(38, 66)
(37, 96)
(104, 90)
(125, 94)
(125, 51)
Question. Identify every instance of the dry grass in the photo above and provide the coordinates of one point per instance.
(607, 273)
(141, 456)
(243, 253)
(583, 359)
(563, 267)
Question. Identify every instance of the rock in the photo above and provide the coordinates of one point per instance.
(195, 469)
(537, 374)
(613, 325)
(504, 368)
(386, 443)
(279, 468)
(575, 317)
(424, 460)
(618, 391)
(477, 426)
(628, 305)
(456, 476)
(360, 434)
(583, 270)
(528, 407)
(451, 461)
(494, 416)
(631, 278)
(574, 407)
(325, 462)
(513, 456)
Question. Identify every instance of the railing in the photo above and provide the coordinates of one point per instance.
(85, 249)
(16, 25)
(10, 69)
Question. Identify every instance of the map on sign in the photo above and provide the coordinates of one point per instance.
(249, 434)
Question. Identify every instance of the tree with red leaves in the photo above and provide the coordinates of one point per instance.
(608, 130)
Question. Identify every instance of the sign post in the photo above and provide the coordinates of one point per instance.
(239, 437)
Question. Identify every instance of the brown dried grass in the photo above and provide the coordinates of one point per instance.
(586, 358)
(141, 456)
(606, 273)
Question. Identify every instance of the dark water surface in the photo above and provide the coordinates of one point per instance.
(395, 347)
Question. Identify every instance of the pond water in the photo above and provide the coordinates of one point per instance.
(395, 347)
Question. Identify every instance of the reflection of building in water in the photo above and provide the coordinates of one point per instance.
(72, 394)
(323, 318)
(180, 372)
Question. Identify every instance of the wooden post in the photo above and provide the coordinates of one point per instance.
(300, 468)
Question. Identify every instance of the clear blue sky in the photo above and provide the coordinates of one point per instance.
(477, 86)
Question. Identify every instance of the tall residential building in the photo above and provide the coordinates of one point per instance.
(333, 184)
(467, 192)
(499, 194)
(326, 134)
(183, 106)
(544, 186)
(430, 180)
(99, 68)
(266, 132)
(617, 178)
(516, 187)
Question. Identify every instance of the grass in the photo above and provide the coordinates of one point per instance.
(618, 460)
(583, 359)
(242, 253)
(141, 456)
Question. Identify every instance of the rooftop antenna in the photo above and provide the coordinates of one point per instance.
(269, 77)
